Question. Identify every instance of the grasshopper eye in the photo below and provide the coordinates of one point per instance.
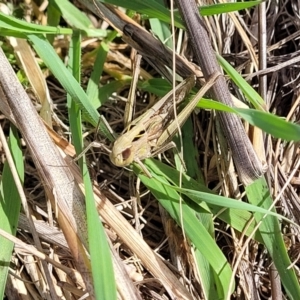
(126, 153)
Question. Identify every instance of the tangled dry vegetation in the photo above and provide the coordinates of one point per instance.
(255, 276)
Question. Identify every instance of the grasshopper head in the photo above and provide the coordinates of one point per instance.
(121, 154)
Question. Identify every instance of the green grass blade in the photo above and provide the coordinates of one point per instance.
(10, 204)
(190, 152)
(248, 91)
(258, 194)
(92, 90)
(76, 18)
(73, 109)
(102, 269)
(157, 86)
(154, 9)
(162, 31)
(198, 196)
(101, 261)
(206, 273)
(236, 218)
(69, 83)
(193, 229)
(53, 19)
(150, 8)
(107, 90)
(268, 122)
(18, 27)
(222, 8)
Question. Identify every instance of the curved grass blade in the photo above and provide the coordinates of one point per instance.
(270, 231)
(268, 122)
(193, 229)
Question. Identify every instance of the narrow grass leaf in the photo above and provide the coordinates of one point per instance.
(270, 123)
(222, 8)
(236, 218)
(258, 194)
(198, 197)
(162, 31)
(150, 8)
(77, 19)
(74, 111)
(101, 261)
(252, 96)
(157, 86)
(19, 27)
(207, 276)
(92, 90)
(107, 90)
(10, 204)
(193, 229)
(190, 155)
(154, 9)
(69, 83)
(190, 152)
(102, 270)
(208, 197)
(53, 19)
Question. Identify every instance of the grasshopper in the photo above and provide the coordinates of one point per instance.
(151, 133)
